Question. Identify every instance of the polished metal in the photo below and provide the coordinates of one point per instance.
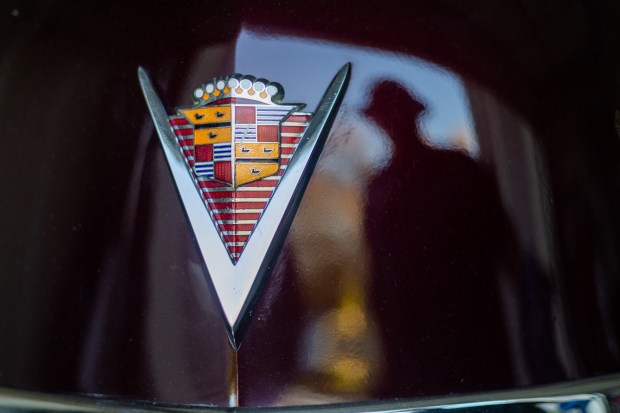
(238, 286)
(588, 396)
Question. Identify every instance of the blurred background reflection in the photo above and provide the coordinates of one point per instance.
(424, 222)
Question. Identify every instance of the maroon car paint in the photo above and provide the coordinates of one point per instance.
(447, 269)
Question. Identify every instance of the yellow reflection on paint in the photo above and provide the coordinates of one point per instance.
(341, 350)
(350, 319)
(350, 374)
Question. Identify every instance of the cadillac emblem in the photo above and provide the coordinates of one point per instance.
(241, 160)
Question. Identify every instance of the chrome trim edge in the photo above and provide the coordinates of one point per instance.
(600, 395)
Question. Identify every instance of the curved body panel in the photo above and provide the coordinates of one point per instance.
(459, 234)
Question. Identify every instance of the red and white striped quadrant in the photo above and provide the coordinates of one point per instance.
(236, 212)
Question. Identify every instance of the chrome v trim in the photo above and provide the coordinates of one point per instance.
(238, 286)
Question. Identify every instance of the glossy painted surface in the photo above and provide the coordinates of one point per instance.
(460, 233)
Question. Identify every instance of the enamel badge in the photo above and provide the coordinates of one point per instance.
(241, 160)
(237, 146)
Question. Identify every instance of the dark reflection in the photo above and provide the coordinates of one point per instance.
(414, 269)
(436, 227)
(328, 341)
(339, 348)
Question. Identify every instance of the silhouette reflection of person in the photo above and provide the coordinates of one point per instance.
(435, 226)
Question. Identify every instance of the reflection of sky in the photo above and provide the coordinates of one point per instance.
(290, 60)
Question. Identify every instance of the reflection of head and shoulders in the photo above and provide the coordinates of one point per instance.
(442, 183)
(399, 114)
(433, 222)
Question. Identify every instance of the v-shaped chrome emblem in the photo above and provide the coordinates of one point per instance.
(238, 277)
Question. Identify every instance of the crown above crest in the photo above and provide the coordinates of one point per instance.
(238, 86)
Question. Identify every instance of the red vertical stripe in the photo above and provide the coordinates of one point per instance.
(267, 133)
(223, 171)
